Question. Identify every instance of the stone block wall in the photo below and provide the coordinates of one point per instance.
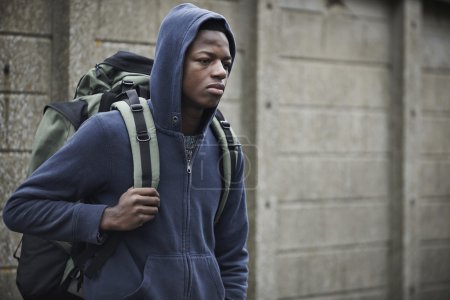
(25, 63)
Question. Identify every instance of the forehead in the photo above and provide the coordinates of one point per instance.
(211, 40)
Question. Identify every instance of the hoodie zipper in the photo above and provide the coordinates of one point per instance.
(186, 246)
(186, 242)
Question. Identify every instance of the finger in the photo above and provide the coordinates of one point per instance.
(145, 218)
(145, 191)
(147, 210)
(147, 201)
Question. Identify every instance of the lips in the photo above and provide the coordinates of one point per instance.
(216, 88)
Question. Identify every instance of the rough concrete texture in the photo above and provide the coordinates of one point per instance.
(316, 96)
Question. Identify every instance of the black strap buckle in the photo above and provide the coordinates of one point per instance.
(127, 85)
(136, 107)
(143, 136)
(225, 124)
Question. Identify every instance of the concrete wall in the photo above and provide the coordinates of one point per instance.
(328, 191)
(434, 187)
(344, 112)
(25, 58)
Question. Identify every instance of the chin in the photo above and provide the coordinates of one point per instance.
(210, 103)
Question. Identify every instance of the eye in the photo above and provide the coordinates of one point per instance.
(204, 61)
(226, 65)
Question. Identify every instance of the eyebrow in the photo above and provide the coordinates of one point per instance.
(209, 53)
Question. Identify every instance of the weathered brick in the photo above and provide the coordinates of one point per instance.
(13, 168)
(35, 16)
(139, 21)
(9, 241)
(23, 115)
(8, 286)
(28, 60)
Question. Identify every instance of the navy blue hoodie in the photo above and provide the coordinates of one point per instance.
(180, 254)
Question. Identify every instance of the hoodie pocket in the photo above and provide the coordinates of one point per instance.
(163, 278)
(206, 281)
(167, 278)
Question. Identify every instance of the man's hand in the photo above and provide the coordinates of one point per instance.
(135, 207)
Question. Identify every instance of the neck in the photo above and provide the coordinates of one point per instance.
(191, 120)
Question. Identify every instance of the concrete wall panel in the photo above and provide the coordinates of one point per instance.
(434, 222)
(328, 272)
(332, 130)
(334, 224)
(436, 56)
(333, 36)
(436, 88)
(436, 36)
(319, 83)
(329, 178)
(355, 8)
(434, 264)
(434, 179)
(436, 135)
(440, 292)
(434, 186)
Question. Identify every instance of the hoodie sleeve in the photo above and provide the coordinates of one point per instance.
(231, 236)
(46, 204)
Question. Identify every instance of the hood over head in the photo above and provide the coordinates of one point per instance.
(178, 30)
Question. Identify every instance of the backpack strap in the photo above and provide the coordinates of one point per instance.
(144, 147)
(142, 133)
(230, 147)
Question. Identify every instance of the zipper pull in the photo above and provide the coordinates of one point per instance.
(189, 167)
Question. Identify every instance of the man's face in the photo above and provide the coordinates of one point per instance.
(206, 67)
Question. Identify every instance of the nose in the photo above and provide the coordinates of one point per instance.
(219, 70)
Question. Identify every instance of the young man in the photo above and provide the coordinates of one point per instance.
(169, 247)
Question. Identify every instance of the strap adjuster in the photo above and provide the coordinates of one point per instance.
(127, 84)
(143, 136)
(136, 107)
(225, 124)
